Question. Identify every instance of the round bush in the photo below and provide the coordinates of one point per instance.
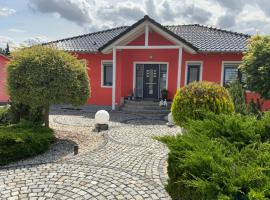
(23, 140)
(198, 98)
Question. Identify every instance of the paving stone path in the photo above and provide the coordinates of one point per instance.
(130, 164)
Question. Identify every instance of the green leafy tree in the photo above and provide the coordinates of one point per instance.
(2, 51)
(7, 51)
(256, 65)
(41, 76)
(237, 93)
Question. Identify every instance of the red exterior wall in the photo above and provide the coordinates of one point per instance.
(3, 92)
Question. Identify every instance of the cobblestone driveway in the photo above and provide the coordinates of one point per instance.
(129, 164)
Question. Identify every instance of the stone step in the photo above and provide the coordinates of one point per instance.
(145, 111)
(147, 103)
(146, 107)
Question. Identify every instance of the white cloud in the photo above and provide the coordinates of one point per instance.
(93, 15)
(6, 11)
(26, 42)
(15, 30)
(77, 11)
(4, 40)
(39, 39)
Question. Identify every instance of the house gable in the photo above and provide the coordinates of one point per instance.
(144, 26)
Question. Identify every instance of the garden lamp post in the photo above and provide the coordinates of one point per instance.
(102, 118)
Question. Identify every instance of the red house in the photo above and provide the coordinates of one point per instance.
(145, 58)
(3, 93)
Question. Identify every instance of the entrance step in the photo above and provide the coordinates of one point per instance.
(145, 107)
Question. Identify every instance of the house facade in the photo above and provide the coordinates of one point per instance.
(145, 58)
(3, 91)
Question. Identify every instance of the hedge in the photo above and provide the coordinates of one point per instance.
(23, 140)
(221, 157)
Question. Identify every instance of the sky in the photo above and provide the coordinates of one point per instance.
(25, 22)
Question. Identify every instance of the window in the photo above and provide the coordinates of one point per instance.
(139, 81)
(193, 72)
(230, 73)
(163, 78)
(107, 75)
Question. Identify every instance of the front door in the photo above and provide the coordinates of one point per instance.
(150, 81)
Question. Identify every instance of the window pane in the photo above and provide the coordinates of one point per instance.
(107, 74)
(163, 77)
(231, 73)
(139, 81)
(193, 73)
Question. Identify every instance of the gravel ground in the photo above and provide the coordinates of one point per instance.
(66, 137)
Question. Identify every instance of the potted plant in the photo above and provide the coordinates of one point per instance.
(130, 95)
(164, 94)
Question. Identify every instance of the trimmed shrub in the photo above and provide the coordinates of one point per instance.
(23, 140)
(237, 93)
(221, 157)
(40, 76)
(198, 97)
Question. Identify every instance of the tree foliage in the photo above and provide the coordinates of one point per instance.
(41, 76)
(256, 65)
(237, 93)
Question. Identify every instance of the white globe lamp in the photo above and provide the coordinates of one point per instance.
(102, 118)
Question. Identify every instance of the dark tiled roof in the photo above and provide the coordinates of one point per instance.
(205, 39)
(208, 39)
(89, 42)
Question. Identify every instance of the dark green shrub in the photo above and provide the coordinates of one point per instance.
(221, 157)
(199, 97)
(25, 112)
(5, 117)
(237, 93)
(23, 140)
(255, 108)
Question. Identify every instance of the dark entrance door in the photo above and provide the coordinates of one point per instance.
(150, 81)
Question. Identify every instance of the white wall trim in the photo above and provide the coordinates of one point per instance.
(193, 62)
(146, 39)
(149, 47)
(114, 79)
(222, 68)
(149, 62)
(102, 74)
(179, 71)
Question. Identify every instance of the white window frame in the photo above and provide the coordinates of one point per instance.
(223, 67)
(102, 73)
(193, 62)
